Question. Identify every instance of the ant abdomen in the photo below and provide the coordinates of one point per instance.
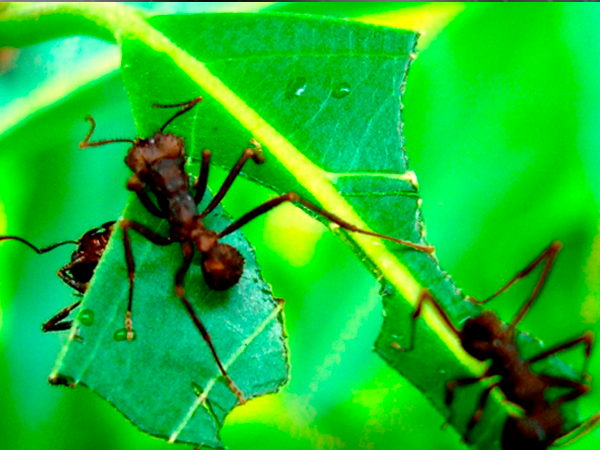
(535, 432)
(222, 267)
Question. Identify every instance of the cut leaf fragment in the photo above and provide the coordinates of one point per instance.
(166, 380)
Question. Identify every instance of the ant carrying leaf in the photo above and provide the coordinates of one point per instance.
(486, 337)
(158, 166)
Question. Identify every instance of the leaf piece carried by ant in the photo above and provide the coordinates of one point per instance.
(166, 381)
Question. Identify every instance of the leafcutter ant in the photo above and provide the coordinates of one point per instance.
(158, 166)
(485, 337)
(77, 273)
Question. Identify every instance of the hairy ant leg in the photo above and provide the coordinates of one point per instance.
(153, 237)
(188, 252)
(548, 256)
(295, 198)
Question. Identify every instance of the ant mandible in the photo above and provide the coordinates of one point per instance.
(486, 337)
(158, 166)
(77, 273)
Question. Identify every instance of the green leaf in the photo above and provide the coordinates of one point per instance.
(157, 379)
(343, 153)
(286, 70)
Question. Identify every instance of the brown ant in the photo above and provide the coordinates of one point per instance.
(77, 273)
(158, 166)
(485, 337)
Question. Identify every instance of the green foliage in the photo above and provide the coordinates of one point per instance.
(255, 80)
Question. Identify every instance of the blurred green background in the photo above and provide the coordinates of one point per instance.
(503, 132)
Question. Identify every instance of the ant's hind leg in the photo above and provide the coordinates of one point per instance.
(188, 253)
(157, 239)
(578, 388)
(587, 339)
(295, 198)
(57, 322)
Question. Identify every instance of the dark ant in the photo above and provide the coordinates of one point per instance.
(77, 273)
(158, 166)
(485, 337)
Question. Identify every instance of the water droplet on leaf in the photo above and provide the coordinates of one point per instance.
(340, 90)
(86, 317)
(296, 88)
(121, 335)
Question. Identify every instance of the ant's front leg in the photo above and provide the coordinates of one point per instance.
(63, 274)
(295, 198)
(150, 206)
(153, 237)
(57, 323)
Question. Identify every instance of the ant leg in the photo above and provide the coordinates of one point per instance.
(56, 322)
(254, 153)
(548, 256)
(202, 180)
(150, 206)
(294, 198)
(426, 295)
(479, 413)
(86, 141)
(580, 431)
(186, 106)
(79, 286)
(156, 239)
(579, 389)
(188, 253)
(587, 339)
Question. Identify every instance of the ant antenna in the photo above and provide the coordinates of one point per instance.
(86, 142)
(39, 251)
(186, 106)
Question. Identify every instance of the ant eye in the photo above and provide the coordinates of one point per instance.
(222, 267)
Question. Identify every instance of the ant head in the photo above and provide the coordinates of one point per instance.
(531, 432)
(146, 152)
(222, 267)
(480, 334)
